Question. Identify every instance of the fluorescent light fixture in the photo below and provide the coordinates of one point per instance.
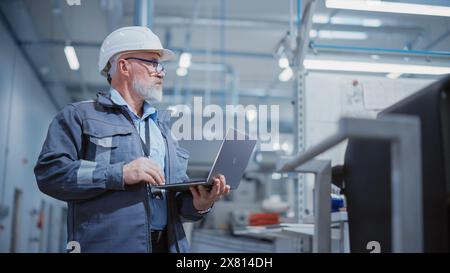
(250, 115)
(185, 60)
(392, 7)
(355, 21)
(285, 76)
(345, 21)
(373, 67)
(393, 76)
(371, 23)
(341, 20)
(71, 57)
(276, 176)
(182, 71)
(341, 35)
(320, 19)
(283, 62)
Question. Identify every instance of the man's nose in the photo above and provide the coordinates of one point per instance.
(159, 75)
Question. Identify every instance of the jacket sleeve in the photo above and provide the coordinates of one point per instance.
(61, 173)
(186, 207)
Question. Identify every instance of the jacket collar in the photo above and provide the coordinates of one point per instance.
(105, 100)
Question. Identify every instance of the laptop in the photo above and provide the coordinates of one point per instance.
(231, 161)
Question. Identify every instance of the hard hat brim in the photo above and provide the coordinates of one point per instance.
(167, 55)
(164, 54)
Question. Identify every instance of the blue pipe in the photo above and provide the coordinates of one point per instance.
(222, 44)
(299, 13)
(137, 15)
(382, 50)
(150, 13)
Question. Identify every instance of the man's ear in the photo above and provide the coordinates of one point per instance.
(124, 67)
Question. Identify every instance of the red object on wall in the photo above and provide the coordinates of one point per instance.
(265, 218)
(40, 220)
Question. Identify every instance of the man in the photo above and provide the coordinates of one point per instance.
(103, 156)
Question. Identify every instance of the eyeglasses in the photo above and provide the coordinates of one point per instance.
(159, 68)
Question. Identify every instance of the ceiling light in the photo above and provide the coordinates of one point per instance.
(283, 62)
(71, 57)
(393, 75)
(336, 65)
(371, 23)
(285, 75)
(355, 21)
(342, 35)
(276, 176)
(182, 71)
(392, 7)
(320, 19)
(341, 20)
(185, 60)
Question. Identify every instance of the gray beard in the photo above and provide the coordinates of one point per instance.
(147, 92)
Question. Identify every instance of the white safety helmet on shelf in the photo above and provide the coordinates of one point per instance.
(126, 39)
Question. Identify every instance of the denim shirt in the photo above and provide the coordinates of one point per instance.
(157, 153)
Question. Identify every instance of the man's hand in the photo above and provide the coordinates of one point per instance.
(145, 170)
(204, 199)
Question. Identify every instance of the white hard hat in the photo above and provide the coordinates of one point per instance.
(136, 38)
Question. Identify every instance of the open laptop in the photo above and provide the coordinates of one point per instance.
(231, 161)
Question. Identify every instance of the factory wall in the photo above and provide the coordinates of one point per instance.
(29, 220)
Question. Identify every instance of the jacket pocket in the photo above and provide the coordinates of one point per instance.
(182, 164)
(104, 138)
(114, 224)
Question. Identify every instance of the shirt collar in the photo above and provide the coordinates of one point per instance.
(149, 111)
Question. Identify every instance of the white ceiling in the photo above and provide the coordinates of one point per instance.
(252, 30)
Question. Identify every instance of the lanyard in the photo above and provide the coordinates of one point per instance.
(146, 145)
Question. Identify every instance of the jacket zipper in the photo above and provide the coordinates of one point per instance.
(146, 199)
(167, 179)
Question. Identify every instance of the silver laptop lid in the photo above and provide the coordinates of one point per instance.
(233, 157)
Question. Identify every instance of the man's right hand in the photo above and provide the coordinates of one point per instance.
(143, 170)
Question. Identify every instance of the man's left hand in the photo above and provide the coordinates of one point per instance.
(204, 199)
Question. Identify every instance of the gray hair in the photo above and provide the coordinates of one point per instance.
(113, 67)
